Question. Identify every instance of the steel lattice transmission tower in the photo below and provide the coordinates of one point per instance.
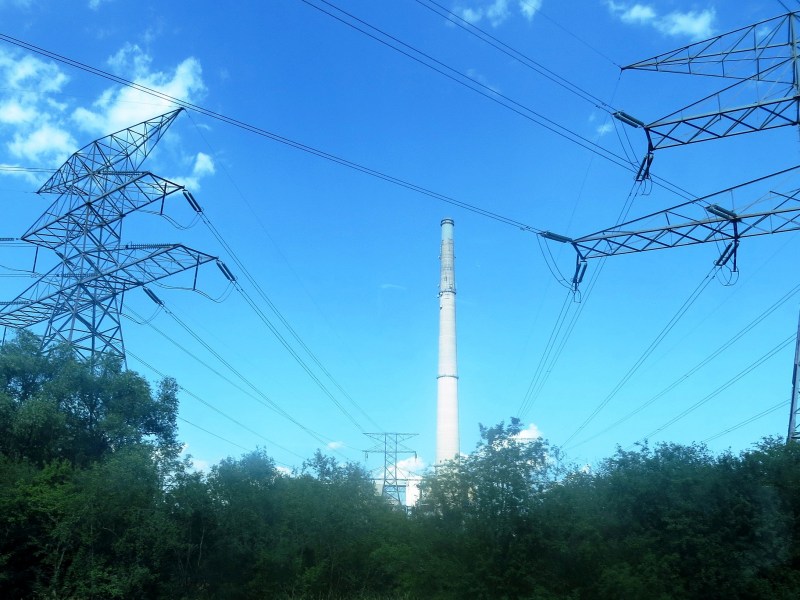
(696, 222)
(699, 222)
(80, 299)
(394, 481)
(763, 63)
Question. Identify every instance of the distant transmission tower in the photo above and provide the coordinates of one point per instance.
(81, 298)
(763, 62)
(394, 482)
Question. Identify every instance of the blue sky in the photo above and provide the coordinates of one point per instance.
(351, 261)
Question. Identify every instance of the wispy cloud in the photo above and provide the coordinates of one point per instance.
(335, 445)
(30, 122)
(393, 286)
(604, 129)
(118, 107)
(531, 432)
(203, 166)
(36, 144)
(197, 464)
(41, 126)
(694, 24)
(495, 12)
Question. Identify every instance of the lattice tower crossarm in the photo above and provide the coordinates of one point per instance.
(83, 308)
(76, 213)
(96, 188)
(759, 57)
(690, 223)
(120, 152)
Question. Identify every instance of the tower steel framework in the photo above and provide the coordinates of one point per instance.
(761, 60)
(80, 299)
(698, 222)
(394, 482)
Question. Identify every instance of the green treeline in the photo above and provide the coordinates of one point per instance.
(95, 502)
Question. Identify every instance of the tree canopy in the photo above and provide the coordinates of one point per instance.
(95, 502)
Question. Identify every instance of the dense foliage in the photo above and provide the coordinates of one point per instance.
(95, 502)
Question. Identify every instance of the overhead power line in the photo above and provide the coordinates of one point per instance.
(270, 135)
(515, 54)
(708, 359)
(746, 371)
(216, 435)
(488, 92)
(756, 417)
(293, 333)
(254, 391)
(214, 408)
(545, 369)
(646, 354)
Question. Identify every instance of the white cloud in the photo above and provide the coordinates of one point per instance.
(639, 14)
(529, 8)
(203, 165)
(496, 12)
(13, 112)
(41, 127)
(604, 129)
(335, 445)
(27, 74)
(410, 466)
(120, 107)
(41, 144)
(531, 432)
(696, 25)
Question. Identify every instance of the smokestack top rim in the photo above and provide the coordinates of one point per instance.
(447, 221)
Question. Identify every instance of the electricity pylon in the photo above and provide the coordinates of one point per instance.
(794, 409)
(763, 61)
(698, 222)
(394, 482)
(81, 297)
(695, 222)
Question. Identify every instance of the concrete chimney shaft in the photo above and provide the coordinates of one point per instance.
(447, 442)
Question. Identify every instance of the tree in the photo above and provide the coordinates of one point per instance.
(487, 499)
(55, 406)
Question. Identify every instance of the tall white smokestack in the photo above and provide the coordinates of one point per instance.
(447, 444)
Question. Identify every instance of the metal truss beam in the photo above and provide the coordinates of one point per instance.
(76, 213)
(762, 46)
(81, 300)
(66, 290)
(120, 152)
(762, 58)
(679, 229)
(674, 131)
(696, 222)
